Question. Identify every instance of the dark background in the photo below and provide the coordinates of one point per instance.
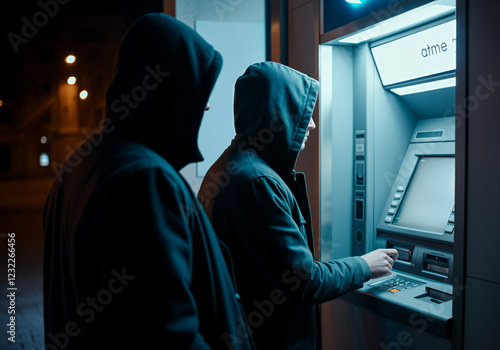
(28, 79)
(11, 21)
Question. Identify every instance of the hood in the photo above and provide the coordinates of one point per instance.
(273, 105)
(164, 75)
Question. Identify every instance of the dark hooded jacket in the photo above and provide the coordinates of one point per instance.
(131, 260)
(258, 206)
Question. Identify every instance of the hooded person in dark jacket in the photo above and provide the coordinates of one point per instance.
(131, 260)
(258, 206)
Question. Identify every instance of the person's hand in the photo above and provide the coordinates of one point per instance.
(381, 261)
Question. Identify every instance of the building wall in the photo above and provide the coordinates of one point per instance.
(243, 21)
(303, 41)
(482, 122)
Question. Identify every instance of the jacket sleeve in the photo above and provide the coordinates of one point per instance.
(149, 233)
(277, 244)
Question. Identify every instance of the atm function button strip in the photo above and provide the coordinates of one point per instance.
(394, 204)
(450, 226)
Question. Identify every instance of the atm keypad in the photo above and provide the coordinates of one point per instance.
(397, 284)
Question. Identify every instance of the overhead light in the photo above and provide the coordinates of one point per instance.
(433, 85)
(353, 1)
(405, 20)
(71, 80)
(84, 94)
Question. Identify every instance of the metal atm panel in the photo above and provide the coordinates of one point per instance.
(420, 288)
(398, 141)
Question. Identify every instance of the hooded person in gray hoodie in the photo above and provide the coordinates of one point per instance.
(131, 260)
(259, 208)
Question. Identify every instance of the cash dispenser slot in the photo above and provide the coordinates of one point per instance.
(434, 296)
(437, 263)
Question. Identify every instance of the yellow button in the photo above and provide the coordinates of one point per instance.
(394, 290)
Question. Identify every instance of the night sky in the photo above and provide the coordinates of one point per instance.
(11, 21)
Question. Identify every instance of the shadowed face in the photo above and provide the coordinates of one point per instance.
(310, 127)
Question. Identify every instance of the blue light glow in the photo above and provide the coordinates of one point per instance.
(44, 159)
(354, 1)
(398, 23)
(434, 85)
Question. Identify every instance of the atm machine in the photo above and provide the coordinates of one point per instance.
(387, 172)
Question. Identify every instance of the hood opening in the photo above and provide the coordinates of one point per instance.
(165, 73)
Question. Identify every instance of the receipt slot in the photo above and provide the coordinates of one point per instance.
(390, 94)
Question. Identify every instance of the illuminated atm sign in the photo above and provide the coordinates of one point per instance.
(423, 54)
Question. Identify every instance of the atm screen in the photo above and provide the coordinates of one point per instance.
(430, 195)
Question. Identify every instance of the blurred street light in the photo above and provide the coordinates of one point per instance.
(71, 80)
(44, 159)
(70, 59)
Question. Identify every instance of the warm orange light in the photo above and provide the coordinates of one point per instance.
(84, 94)
(70, 59)
(1, 103)
(71, 80)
